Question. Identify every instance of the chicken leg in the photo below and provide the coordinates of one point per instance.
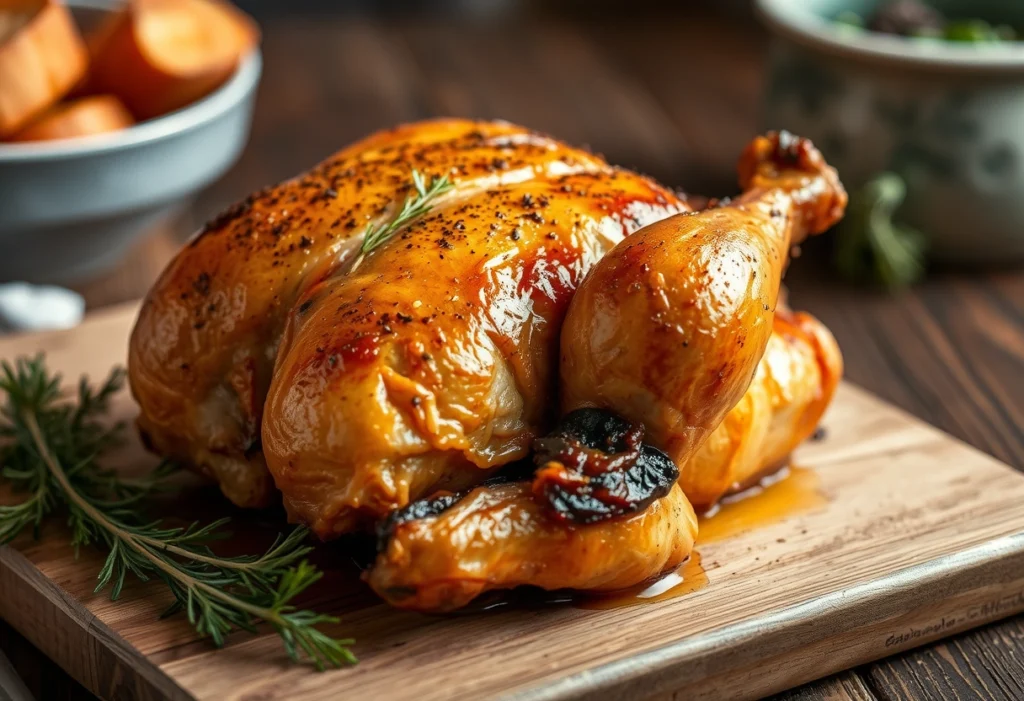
(667, 329)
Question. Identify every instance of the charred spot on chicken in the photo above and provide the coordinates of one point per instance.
(436, 504)
(421, 508)
(595, 467)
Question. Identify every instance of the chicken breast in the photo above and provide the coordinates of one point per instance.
(365, 379)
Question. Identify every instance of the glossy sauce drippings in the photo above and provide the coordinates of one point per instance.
(687, 579)
(791, 491)
(788, 492)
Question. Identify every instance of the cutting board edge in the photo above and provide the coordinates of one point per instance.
(96, 655)
(677, 667)
(88, 647)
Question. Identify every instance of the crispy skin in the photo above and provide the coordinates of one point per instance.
(429, 364)
(498, 539)
(501, 537)
(668, 328)
(792, 387)
(271, 354)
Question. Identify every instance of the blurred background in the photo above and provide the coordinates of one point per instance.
(670, 88)
(920, 105)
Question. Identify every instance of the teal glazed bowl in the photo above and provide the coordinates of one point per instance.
(948, 117)
(70, 209)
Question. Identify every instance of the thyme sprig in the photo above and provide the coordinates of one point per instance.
(50, 452)
(415, 205)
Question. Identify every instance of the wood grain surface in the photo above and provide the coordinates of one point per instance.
(676, 96)
(910, 536)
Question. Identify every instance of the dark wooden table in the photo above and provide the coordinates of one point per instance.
(676, 97)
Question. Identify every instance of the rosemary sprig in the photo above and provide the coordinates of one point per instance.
(50, 449)
(871, 245)
(414, 206)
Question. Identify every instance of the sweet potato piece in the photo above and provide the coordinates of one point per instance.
(88, 115)
(160, 55)
(41, 57)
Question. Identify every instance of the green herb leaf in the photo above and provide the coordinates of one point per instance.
(977, 31)
(415, 205)
(50, 451)
(850, 19)
(870, 246)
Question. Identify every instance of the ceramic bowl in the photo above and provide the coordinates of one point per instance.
(70, 209)
(948, 117)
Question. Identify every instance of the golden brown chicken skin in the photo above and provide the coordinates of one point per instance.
(204, 345)
(791, 389)
(428, 364)
(501, 537)
(435, 359)
(277, 351)
(668, 329)
(498, 537)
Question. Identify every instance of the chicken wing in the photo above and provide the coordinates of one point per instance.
(501, 537)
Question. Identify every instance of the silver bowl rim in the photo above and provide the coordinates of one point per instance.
(203, 111)
(795, 21)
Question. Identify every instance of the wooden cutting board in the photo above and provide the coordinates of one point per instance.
(895, 535)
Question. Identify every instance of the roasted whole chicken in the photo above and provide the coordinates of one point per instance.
(516, 363)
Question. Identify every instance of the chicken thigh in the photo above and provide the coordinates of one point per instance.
(792, 387)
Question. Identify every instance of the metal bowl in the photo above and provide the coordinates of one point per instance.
(70, 209)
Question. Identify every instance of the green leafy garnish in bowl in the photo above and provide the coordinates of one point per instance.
(916, 19)
(978, 31)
